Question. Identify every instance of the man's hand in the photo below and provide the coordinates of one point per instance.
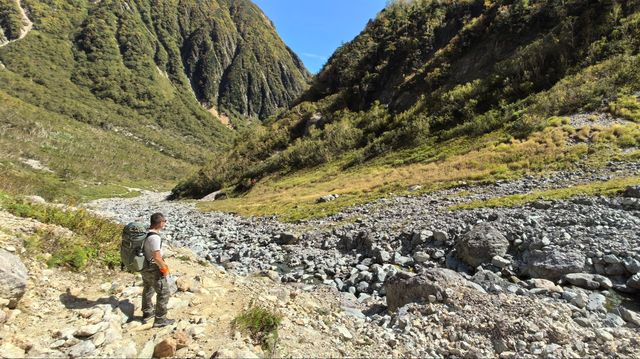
(164, 268)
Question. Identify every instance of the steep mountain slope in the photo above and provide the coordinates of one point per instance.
(437, 82)
(153, 74)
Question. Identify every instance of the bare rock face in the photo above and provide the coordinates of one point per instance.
(13, 278)
(481, 244)
(403, 287)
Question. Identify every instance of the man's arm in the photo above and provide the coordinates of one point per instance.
(157, 258)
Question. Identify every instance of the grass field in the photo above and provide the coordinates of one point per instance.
(481, 160)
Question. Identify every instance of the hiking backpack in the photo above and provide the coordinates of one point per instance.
(132, 247)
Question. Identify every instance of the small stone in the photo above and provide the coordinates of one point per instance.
(613, 321)
(604, 335)
(584, 322)
(596, 302)
(629, 316)
(183, 284)
(611, 259)
(440, 236)
(182, 339)
(545, 284)
(421, 257)
(57, 343)
(500, 262)
(84, 348)
(344, 332)
(88, 330)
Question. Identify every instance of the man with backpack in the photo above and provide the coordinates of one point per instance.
(154, 276)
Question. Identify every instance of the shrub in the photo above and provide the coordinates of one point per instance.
(626, 107)
(261, 324)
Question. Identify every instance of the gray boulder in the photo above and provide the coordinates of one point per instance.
(582, 280)
(632, 191)
(287, 239)
(634, 282)
(327, 198)
(629, 316)
(553, 264)
(13, 278)
(403, 287)
(481, 244)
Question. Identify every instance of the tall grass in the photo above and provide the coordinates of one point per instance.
(95, 240)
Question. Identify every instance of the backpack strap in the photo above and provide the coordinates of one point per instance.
(149, 234)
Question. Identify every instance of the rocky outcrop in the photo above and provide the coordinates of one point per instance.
(433, 285)
(13, 278)
(481, 244)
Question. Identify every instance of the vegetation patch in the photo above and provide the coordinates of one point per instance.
(626, 107)
(95, 240)
(485, 159)
(604, 188)
(426, 75)
(262, 326)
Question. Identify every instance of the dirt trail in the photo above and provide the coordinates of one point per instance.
(58, 303)
(27, 25)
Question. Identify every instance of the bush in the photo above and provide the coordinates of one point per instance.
(261, 324)
(626, 107)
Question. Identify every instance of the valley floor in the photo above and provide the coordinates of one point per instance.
(566, 285)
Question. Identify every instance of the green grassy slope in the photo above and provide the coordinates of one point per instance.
(434, 92)
(128, 84)
(10, 20)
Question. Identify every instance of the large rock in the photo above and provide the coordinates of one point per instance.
(553, 264)
(629, 316)
(632, 191)
(13, 278)
(403, 287)
(287, 238)
(165, 349)
(481, 244)
(582, 280)
(634, 282)
(362, 242)
(8, 350)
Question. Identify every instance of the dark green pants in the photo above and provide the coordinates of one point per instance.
(154, 283)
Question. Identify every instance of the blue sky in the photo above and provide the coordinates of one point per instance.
(314, 29)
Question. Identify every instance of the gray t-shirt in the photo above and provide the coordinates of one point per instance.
(151, 244)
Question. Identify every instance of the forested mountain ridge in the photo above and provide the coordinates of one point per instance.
(152, 73)
(428, 80)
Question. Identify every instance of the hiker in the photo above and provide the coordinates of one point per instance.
(154, 276)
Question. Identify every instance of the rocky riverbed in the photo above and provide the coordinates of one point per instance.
(575, 259)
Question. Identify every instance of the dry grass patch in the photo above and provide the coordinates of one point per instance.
(292, 197)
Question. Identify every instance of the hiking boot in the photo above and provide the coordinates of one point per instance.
(147, 318)
(159, 323)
